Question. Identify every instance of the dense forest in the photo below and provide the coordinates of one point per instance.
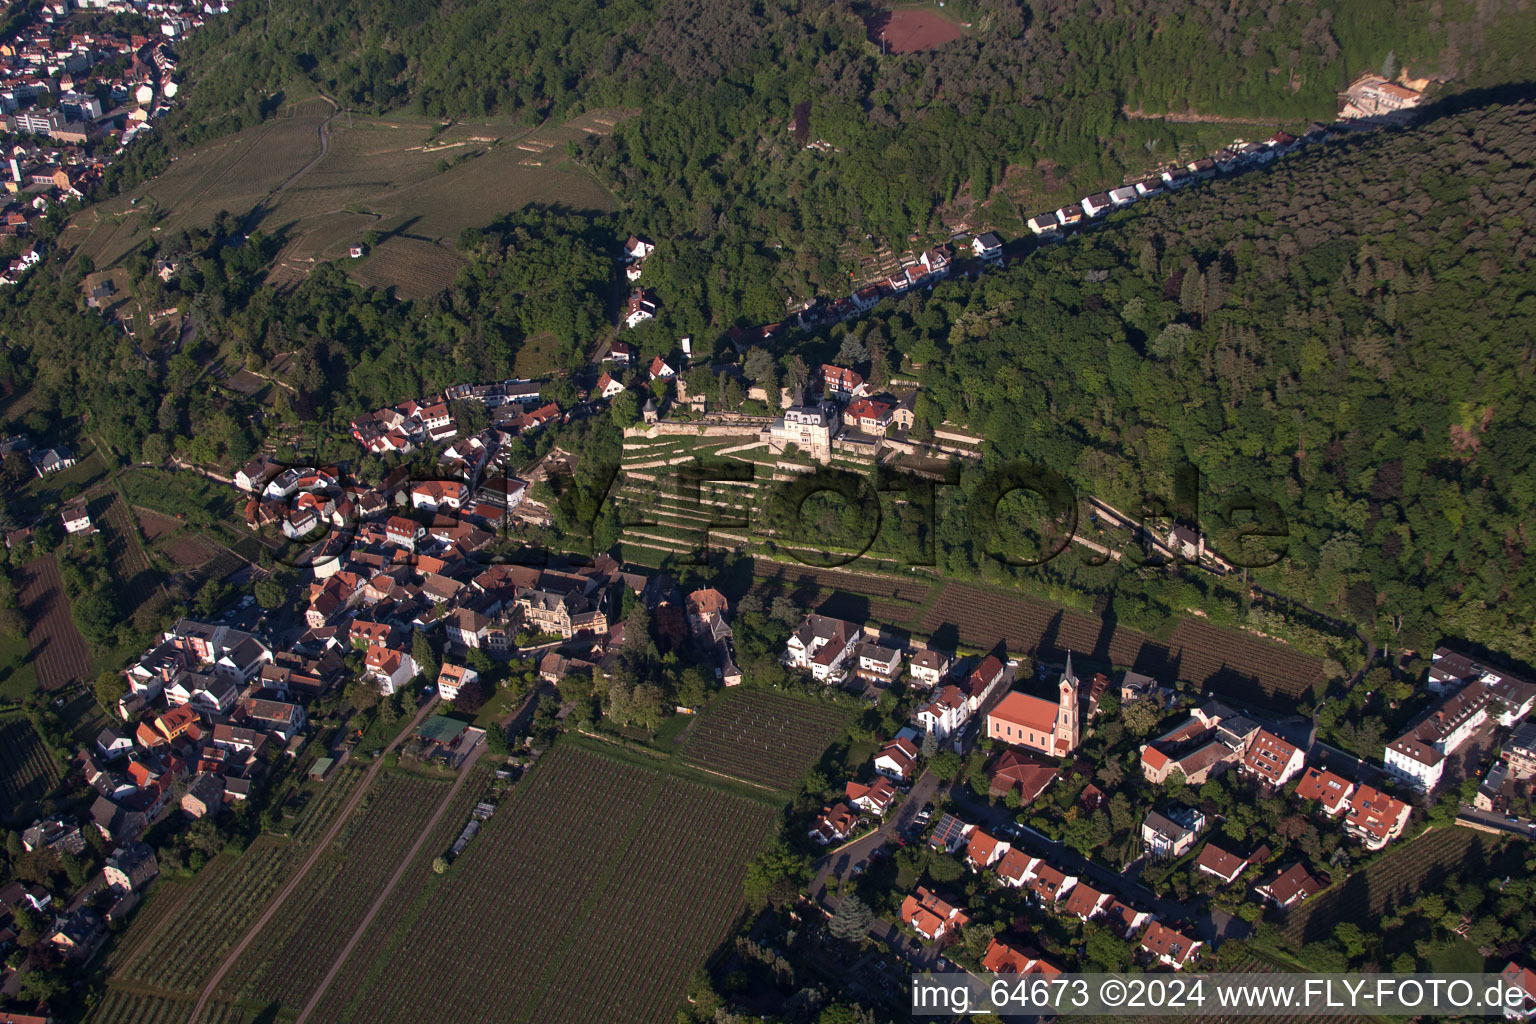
(712, 162)
(1348, 335)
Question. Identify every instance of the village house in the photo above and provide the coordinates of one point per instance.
(930, 916)
(949, 834)
(983, 850)
(607, 387)
(204, 797)
(1520, 752)
(1375, 818)
(871, 415)
(1329, 790)
(389, 668)
(1044, 224)
(897, 760)
(944, 715)
(1016, 868)
(131, 867)
(875, 798)
(1003, 958)
(75, 517)
(841, 385)
(1049, 883)
(821, 645)
(1271, 759)
(1034, 723)
(1288, 886)
(1012, 770)
(1218, 863)
(1085, 902)
(1211, 739)
(987, 246)
(1166, 946)
(640, 309)
(1171, 835)
(878, 665)
(452, 678)
(834, 824)
(929, 668)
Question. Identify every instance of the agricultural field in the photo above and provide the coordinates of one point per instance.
(27, 770)
(231, 890)
(766, 739)
(233, 894)
(59, 652)
(579, 868)
(1227, 661)
(234, 173)
(915, 591)
(281, 965)
(160, 908)
(404, 903)
(1404, 871)
(414, 267)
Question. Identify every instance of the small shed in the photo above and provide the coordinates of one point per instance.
(321, 766)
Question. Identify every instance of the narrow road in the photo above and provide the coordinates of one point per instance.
(839, 861)
(389, 887)
(321, 845)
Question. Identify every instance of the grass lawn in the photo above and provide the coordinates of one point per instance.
(18, 677)
(859, 753)
(1456, 957)
(499, 706)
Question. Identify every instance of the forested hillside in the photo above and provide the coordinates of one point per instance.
(1349, 334)
(710, 163)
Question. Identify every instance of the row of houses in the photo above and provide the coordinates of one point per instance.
(515, 408)
(1049, 886)
(1239, 156)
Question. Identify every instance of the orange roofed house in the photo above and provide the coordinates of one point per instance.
(930, 916)
(1329, 790)
(1375, 818)
(1166, 946)
(834, 824)
(1271, 759)
(1004, 958)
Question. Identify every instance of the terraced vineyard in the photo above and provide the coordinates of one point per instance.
(767, 739)
(1407, 869)
(281, 965)
(579, 868)
(27, 771)
(1228, 661)
(661, 519)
